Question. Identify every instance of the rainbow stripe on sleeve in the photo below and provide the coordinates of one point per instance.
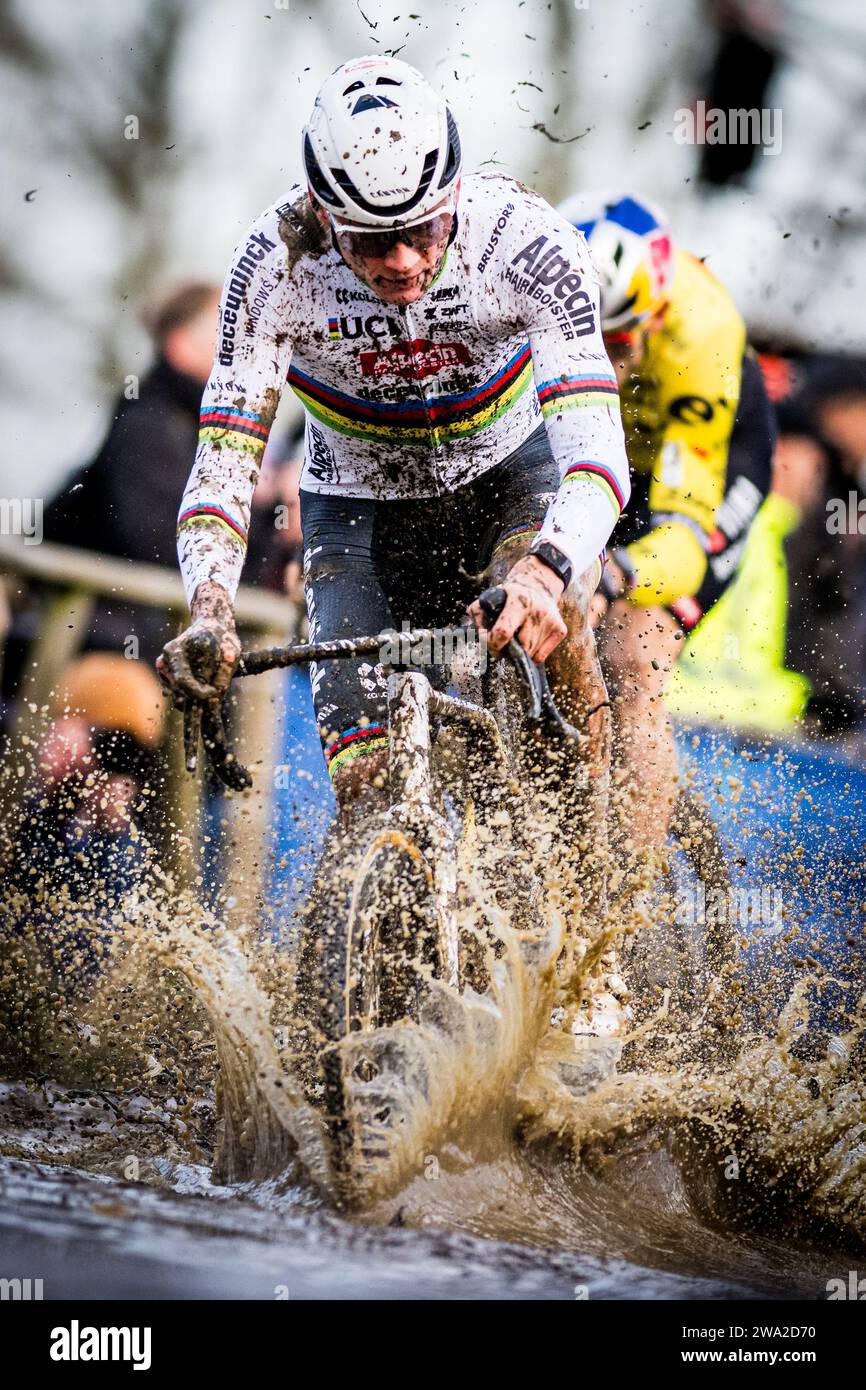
(603, 477)
(242, 430)
(214, 516)
(576, 392)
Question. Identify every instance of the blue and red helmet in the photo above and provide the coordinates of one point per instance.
(630, 243)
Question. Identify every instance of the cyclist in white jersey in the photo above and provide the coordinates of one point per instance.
(462, 417)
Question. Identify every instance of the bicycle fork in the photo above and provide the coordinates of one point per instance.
(412, 706)
(412, 807)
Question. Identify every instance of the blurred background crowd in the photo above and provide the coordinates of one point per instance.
(141, 140)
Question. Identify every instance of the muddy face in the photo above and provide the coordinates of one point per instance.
(401, 276)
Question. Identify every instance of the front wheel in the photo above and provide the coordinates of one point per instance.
(371, 939)
(392, 935)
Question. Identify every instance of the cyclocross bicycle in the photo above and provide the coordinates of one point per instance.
(382, 920)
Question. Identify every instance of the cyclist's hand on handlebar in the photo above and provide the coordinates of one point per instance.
(531, 610)
(200, 662)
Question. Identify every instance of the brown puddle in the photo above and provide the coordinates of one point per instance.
(169, 1073)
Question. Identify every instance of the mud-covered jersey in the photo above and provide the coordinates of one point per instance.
(410, 402)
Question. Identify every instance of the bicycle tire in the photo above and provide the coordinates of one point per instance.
(365, 950)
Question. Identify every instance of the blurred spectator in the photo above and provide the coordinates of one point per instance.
(85, 824)
(744, 60)
(125, 501)
(821, 467)
(838, 390)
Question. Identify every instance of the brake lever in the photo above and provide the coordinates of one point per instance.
(550, 714)
(491, 603)
(531, 674)
(542, 706)
(202, 659)
(203, 723)
(222, 760)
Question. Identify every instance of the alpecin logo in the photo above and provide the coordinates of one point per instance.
(544, 274)
(414, 360)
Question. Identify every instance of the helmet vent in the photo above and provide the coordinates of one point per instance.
(396, 209)
(452, 162)
(369, 103)
(317, 181)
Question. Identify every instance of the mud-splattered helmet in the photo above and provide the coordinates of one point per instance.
(381, 147)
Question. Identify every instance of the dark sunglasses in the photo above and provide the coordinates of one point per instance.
(374, 245)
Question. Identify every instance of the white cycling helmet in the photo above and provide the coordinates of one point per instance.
(630, 243)
(381, 147)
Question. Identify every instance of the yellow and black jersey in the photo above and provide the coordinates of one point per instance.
(679, 413)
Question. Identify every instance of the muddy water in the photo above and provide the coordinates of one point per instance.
(156, 1143)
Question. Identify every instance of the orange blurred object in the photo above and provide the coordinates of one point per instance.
(109, 691)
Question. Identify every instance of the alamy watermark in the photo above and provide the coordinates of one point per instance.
(846, 516)
(464, 647)
(853, 1288)
(737, 126)
(743, 907)
(77, 1343)
(20, 1290)
(22, 516)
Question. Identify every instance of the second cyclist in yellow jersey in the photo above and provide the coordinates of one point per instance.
(679, 412)
(700, 436)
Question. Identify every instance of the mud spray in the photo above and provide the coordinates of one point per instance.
(146, 1039)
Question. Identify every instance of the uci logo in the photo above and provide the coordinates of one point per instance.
(374, 326)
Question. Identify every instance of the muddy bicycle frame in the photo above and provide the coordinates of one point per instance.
(412, 702)
(415, 707)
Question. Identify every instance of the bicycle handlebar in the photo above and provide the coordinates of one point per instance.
(205, 721)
